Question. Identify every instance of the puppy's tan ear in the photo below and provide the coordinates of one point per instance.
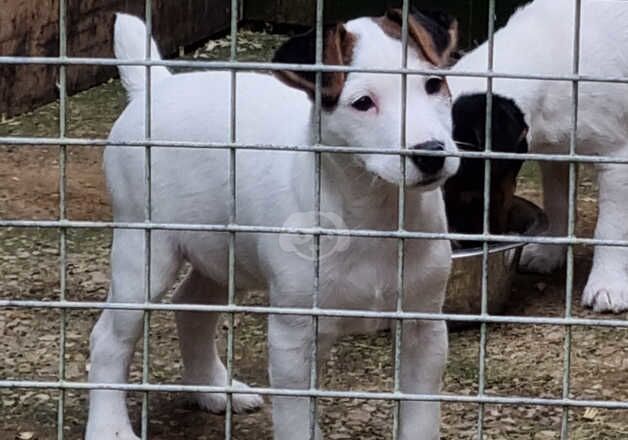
(435, 34)
(338, 46)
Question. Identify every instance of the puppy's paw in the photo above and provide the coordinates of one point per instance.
(538, 258)
(606, 294)
(241, 403)
(110, 432)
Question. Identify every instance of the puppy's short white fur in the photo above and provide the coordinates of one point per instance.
(538, 39)
(192, 186)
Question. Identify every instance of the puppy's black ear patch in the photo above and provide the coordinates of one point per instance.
(514, 127)
(509, 129)
(464, 193)
(338, 46)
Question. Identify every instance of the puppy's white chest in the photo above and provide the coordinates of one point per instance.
(366, 278)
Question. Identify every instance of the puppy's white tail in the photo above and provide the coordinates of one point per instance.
(130, 44)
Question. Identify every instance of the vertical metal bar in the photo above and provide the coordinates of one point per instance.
(486, 216)
(232, 218)
(148, 216)
(571, 221)
(63, 94)
(401, 213)
(317, 208)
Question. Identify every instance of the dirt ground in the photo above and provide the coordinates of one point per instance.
(521, 360)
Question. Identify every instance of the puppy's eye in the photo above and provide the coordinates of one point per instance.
(363, 104)
(434, 84)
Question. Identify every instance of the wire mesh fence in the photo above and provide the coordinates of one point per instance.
(233, 228)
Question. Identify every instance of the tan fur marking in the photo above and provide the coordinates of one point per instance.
(453, 42)
(293, 79)
(425, 42)
(389, 27)
(420, 38)
(446, 90)
(338, 45)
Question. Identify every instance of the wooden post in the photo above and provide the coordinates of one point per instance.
(31, 28)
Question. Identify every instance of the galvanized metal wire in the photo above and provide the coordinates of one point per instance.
(332, 313)
(84, 142)
(401, 215)
(362, 395)
(316, 245)
(251, 66)
(571, 221)
(75, 224)
(63, 154)
(63, 224)
(486, 218)
(231, 292)
(148, 10)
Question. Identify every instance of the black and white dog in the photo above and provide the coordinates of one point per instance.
(538, 39)
(464, 192)
(277, 188)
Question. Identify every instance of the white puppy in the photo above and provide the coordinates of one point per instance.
(538, 39)
(274, 189)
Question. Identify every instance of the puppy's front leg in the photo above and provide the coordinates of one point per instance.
(607, 287)
(546, 258)
(290, 341)
(423, 358)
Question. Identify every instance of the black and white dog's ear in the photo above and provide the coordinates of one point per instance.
(509, 128)
(445, 32)
(435, 33)
(464, 193)
(511, 118)
(338, 46)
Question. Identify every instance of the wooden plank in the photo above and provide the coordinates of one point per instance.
(30, 28)
(301, 12)
(472, 14)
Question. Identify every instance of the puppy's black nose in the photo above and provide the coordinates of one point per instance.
(429, 164)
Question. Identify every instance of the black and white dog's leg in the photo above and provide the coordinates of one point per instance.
(197, 332)
(423, 359)
(115, 334)
(290, 340)
(607, 288)
(545, 258)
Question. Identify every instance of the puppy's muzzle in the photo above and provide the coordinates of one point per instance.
(429, 165)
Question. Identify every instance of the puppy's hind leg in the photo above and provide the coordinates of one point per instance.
(607, 287)
(547, 258)
(197, 331)
(115, 335)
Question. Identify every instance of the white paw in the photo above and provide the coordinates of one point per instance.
(110, 433)
(217, 402)
(540, 258)
(606, 294)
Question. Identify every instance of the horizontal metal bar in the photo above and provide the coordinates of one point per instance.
(311, 231)
(364, 395)
(96, 142)
(228, 65)
(330, 313)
